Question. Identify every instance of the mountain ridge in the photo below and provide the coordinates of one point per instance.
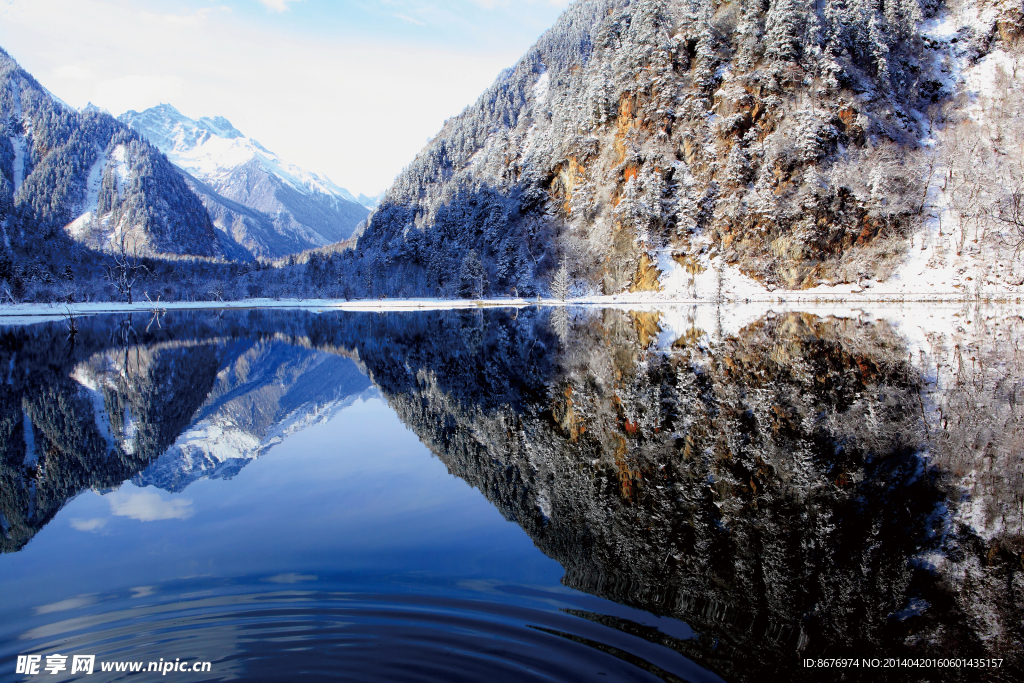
(298, 209)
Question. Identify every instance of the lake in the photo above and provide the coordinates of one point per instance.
(550, 494)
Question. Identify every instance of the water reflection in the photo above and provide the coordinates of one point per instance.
(797, 486)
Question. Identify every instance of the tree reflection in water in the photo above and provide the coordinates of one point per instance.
(789, 490)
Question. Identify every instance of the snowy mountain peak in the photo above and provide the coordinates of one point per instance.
(260, 203)
(222, 127)
(91, 108)
(211, 148)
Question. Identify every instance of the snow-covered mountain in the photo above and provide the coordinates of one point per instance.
(732, 149)
(257, 201)
(88, 177)
(370, 202)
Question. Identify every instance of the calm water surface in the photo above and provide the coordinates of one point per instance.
(506, 495)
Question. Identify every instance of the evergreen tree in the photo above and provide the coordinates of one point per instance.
(472, 279)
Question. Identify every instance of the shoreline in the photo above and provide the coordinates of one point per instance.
(788, 298)
(27, 313)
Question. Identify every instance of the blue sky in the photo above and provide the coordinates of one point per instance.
(352, 89)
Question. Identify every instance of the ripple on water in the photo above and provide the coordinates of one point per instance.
(255, 633)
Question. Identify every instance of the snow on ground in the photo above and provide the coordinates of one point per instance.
(936, 262)
(540, 88)
(22, 314)
(18, 141)
(80, 226)
(984, 78)
(829, 299)
(19, 145)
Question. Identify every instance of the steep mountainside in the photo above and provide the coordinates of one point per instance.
(794, 142)
(88, 177)
(269, 207)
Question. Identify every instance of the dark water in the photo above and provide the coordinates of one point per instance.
(502, 495)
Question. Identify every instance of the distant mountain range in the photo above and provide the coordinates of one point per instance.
(638, 146)
(171, 185)
(260, 204)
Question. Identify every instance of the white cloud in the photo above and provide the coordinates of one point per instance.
(491, 4)
(147, 506)
(89, 524)
(137, 91)
(189, 20)
(277, 5)
(142, 592)
(74, 72)
(410, 20)
(64, 605)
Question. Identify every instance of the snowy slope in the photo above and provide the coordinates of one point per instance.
(299, 208)
(211, 148)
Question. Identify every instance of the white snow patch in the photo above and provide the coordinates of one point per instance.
(541, 88)
(93, 184)
(131, 428)
(19, 145)
(942, 27)
(678, 283)
(543, 502)
(983, 78)
(100, 414)
(18, 141)
(119, 157)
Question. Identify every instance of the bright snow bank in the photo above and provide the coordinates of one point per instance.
(929, 272)
(738, 291)
(22, 314)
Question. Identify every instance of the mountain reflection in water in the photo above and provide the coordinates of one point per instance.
(801, 486)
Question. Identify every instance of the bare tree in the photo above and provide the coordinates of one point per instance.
(72, 322)
(127, 267)
(1010, 212)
